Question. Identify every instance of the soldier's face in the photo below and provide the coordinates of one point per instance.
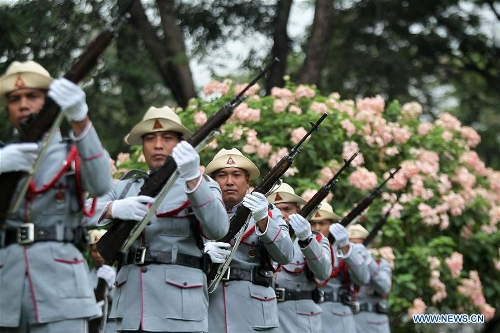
(23, 102)
(287, 209)
(321, 226)
(156, 146)
(97, 260)
(234, 183)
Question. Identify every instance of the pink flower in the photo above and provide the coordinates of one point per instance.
(488, 311)
(448, 121)
(215, 87)
(295, 109)
(325, 175)
(470, 136)
(386, 253)
(282, 93)
(263, 150)
(122, 158)
(398, 182)
(349, 127)
(200, 118)
(412, 109)
(308, 194)
(375, 104)
(425, 128)
(417, 308)
(349, 148)
(297, 135)
(434, 263)
(277, 156)
(253, 90)
(279, 105)
(455, 264)
(304, 91)
(318, 107)
(401, 135)
(363, 179)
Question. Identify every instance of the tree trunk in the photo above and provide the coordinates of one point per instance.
(281, 45)
(317, 47)
(169, 52)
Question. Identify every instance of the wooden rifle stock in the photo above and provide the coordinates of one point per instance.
(356, 211)
(110, 244)
(96, 325)
(38, 124)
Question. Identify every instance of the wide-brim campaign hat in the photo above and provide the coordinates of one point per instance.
(285, 193)
(357, 231)
(232, 158)
(325, 212)
(95, 235)
(157, 120)
(21, 75)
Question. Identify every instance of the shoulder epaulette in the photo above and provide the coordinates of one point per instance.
(134, 174)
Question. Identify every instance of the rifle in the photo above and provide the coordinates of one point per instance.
(240, 220)
(97, 325)
(356, 211)
(315, 202)
(378, 226)
(50, 117)
(122, 234)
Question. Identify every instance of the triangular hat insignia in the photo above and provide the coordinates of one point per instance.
(157, 125)
(317, 214)
(19, 82)
(230, 161)
(278, 197)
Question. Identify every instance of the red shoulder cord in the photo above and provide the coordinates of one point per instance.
(72, 156)
(176, 211)
(355, 290)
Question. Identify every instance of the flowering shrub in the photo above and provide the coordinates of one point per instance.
(441, 236)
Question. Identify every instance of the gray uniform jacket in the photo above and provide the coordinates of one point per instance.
(303, 315)
(168, 297)
(240, 305)
(52, 276)
(373, 295)
(336, 316)
(110, 323)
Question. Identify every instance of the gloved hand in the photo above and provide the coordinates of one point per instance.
(98, 307)
(300, 226)
(217, 251)
(131, 208)
(339, 232)
(188, 160)
(108, 274)
(18, 157)
(70, 97)
(258, 205)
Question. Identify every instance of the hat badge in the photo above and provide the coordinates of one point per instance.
(278, 197)
(19, 82)
(317, 214)
(230, 161)
(157, 125)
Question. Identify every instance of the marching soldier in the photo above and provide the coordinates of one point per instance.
(161, 286)
(43, 275)
(296, 284)
(348, 267)
(245, 300)
(372, 297)
(101, 272)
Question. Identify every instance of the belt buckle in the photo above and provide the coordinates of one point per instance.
(355, 307)
(140, 255)
(225, 277)
(26, 234)
(280, 294)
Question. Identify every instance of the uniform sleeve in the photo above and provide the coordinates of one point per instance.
(206, 200)
(318, 257)
(381, 277)
(358, 270)
(102, 205)
(276, 238)
(94, 159)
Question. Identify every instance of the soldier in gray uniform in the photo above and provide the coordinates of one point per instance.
(296, 284)
(166, 291)
(349, 266)
(372, 297)
(99, 270)
(44, 283)
(245, 301)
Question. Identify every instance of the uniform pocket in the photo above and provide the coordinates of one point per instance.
(264, 307)
(186, 293)
(71, 270)
(119, 295)
(308, 315)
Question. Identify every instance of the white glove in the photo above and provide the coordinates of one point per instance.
(339, 232)
(98, 307)
(108, 274)
(18, 157)
(187, 159)
(258, 205)
(131, 208)
(217, 251)
(70, 97)
(300, 226)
